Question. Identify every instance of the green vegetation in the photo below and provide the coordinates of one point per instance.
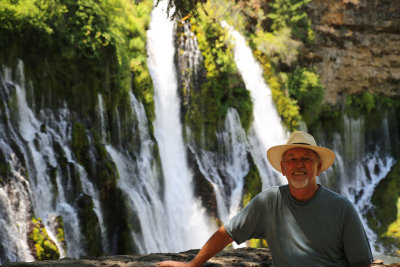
(222, 88)
(305, 86)
(59, 227)
(89, 225)
(82, 48)
(291, 14)
(41, 245)
(253, 185)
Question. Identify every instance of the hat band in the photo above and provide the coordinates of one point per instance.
(301, 144)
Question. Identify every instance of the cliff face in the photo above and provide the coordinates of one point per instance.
(356, 46)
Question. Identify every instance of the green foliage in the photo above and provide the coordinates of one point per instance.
(278, 46)
(359, 104)
(59, 227)
(292, 14)
(40, 242)
(82, 48)
(306, 88)
(223, 87)
(252, 186)
(367, 103)
(287, 107)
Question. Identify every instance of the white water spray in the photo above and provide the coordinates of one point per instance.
(186, 222)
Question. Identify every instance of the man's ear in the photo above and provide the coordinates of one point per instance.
(283, 169)
(319, 168)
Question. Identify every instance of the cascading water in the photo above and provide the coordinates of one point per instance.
(15, 192)
(226, 171)
(140, 181)
(40, 143)
(358, 170)
(183, 212)
(266, 129)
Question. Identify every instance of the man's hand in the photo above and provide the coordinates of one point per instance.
(174, 264)
(215, 244)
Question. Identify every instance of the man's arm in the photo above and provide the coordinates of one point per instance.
(218, 241)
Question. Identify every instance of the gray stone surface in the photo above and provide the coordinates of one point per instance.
(251, 257)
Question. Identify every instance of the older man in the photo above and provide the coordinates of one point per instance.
(304, 223)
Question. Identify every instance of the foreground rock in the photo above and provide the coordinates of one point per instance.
(239, 257)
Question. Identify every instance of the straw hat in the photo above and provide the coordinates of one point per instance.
(300, 139)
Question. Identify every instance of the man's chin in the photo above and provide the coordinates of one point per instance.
(299, 184)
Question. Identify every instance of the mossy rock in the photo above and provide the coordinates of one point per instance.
(41, 245)
(252, 184)
(89, 225)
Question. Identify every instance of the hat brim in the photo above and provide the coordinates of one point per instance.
(275, 153)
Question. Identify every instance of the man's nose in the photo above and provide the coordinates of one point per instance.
(299, 163)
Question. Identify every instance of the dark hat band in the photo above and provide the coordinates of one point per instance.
(301, 144)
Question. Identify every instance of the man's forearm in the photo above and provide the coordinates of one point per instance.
(217, 242)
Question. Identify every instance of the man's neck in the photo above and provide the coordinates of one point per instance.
(303, 194)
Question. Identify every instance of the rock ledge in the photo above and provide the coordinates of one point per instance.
(254, 257)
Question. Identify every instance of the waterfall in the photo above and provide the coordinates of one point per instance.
(140, 181)
(226, 168)
(357, 169)
(39, 148)
(185, 220)
(102, 117)
(266, 129)
(226, 171)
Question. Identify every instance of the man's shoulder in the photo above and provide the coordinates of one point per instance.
(273, 192)
(333, 197)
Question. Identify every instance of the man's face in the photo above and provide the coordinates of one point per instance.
(301, 166)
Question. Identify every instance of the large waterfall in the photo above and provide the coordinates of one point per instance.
(183, 211)
(45, 180)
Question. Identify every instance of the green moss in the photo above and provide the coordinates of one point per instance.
(80, 144)
(42, 247)
(59, 227)
(89, 225)
(252, 186)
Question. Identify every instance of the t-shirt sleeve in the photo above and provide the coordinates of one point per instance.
(356, 246)
(248, 223)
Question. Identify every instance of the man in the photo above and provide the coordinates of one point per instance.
(304, 223)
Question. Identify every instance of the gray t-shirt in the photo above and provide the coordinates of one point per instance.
(323, 231)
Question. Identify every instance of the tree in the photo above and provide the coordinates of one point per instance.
(182, 8)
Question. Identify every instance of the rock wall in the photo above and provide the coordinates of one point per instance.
(357, 47)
